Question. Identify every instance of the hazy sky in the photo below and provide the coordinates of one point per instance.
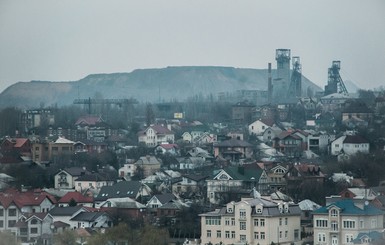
(66, 40)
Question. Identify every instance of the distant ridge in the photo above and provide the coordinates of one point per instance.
(145, 85)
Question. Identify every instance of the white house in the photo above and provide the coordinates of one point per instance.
(349, 145)
(259, 126)
(155, 135)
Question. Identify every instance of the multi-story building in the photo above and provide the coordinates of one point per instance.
(234, 182)
(341, 222)
(252, 221)
(155, 135)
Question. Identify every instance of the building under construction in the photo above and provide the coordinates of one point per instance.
(286, 86)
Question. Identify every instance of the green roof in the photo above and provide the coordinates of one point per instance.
(349, 208)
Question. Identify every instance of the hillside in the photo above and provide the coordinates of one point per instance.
(145, 85)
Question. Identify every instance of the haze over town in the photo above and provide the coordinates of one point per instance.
(68, 40)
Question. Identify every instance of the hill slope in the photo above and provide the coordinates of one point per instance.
(144, 85)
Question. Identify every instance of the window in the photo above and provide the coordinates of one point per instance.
(33, 221)
(280, 221)
(321, 237)
(374, 223)
(233, 221)
(296, 234)
(256, 222)
(286, 233)
(321, 223)
(286, 221)
(259, 210)
(219, 234)
(242, 213)
(233, 234)
(1, 212)
(33, 230)
(348, 238)
(349, 224)
(213, 220)
(263, 236)
(227, 221)
(256, 235)
(242, 238)
(227, 234)
(334, 225)
(242, 225)
(262, 222)
(362, 224)
(12, 212)
(1, 223)
(11, 223)
(280, 234)
(208, 234)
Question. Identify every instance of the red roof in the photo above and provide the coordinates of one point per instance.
(269, 122)
(169, 146)
(160, 129)
(19, 142)
(355, 139)
(21, 199)
(77, 197)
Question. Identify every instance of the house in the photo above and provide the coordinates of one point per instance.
(289, 143)
(172, 149)
(233, 149)
(186, 163)
(14, 203)
(132, 189)
(62, 216)
(90, 146)
(300, 175)
(252, 221)
(92, 128)
(147, 165)
(341, 222)
(93, 182)
(124, 208)
(189, 185)
(318, 142)
(34, 227)
(92, 220)
(276, 177)
(236, 181)
(15, 150)
(61, 146)
(307, 207)
(155, 135)
(259, 126)
(356, 114)
(33, 118)
(75, 198)
(65, 179)
(158, 200)
(269, 134)
(349, 145)
(334, 102)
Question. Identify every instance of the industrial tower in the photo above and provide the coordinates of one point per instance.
(335, 83)
(282, 80)
(295, 88)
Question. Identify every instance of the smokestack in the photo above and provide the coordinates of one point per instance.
(269, 85)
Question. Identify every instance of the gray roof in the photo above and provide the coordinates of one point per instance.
(165, 198)
(88, 216)
(121, 189)
(64, 211)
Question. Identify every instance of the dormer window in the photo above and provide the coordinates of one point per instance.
(230, 210)
(258, 210)
(334, 212)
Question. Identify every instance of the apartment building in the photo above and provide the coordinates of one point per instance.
(252, 221)
(341, 222)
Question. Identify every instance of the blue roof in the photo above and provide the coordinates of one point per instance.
(348, 207)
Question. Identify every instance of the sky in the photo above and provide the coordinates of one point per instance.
(56, 40)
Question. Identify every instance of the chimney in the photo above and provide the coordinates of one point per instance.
(269, 85)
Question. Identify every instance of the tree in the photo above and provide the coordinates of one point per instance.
(67, 237)
(7, 238)
(150, 116)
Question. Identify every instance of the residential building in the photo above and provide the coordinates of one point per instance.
(34, 227)
(242, 112)
(259, 126)
(288, 143)
(341, 222)
(232, 183)
(65, 179)
(147, 165)
(93, 182)
(252, 221)
(155, 135)
(189, 185)
(348, 145)
(15, 150)
(233, 149)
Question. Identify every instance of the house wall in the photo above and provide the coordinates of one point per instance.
(257, 127)
(230, 223)
(9, 217)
